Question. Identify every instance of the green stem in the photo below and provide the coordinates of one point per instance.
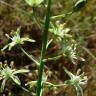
(29, 56)
(44, 43)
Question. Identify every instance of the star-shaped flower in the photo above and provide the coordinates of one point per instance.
(59, 31)
(7, 73)
(16, 40)
(77, 81)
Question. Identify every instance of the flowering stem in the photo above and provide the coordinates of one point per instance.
(44, 43)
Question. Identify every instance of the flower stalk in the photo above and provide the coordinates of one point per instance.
(43, 52)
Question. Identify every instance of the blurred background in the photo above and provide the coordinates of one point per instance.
(16, 13)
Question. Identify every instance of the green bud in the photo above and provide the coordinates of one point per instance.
(34, 3)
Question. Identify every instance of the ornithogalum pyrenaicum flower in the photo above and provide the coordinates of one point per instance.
(59, 31)
(77, 81)
(16, 40)
(7, 73)
(70, 52)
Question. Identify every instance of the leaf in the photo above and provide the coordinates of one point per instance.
(3, 84)
(34, 3)
(16, 79)
(78, 5)
(21, 71)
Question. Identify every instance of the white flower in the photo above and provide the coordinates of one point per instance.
(7, 73)
(70, 52)
(16, 40)
(77, 80)
(59, 31)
